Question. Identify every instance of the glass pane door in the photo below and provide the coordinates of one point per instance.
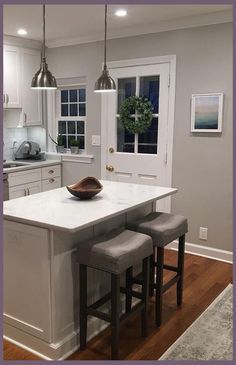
(145, 143)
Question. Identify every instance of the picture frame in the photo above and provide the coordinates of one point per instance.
(207, 112)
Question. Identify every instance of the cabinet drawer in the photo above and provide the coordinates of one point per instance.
(52, 183)
(51, 171)
(24, 177)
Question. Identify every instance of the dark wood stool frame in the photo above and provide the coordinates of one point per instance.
(114, 296)
(158, 284)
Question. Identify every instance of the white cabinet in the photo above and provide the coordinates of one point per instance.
(50, 184)
(19, 66)
(33, 181)
(27, 297)
(51, 177)
(24, 190)
(11, 77)
(31, 99)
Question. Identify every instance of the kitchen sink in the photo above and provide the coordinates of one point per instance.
(7, 165)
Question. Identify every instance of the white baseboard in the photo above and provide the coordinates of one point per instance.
(205, 251)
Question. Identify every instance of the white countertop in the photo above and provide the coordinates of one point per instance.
(60, 210)
(29, 165)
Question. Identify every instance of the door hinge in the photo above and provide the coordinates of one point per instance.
(169, 80)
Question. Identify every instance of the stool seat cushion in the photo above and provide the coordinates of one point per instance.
(115, 251)
(162, 227)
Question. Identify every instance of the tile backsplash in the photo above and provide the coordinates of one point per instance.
(11, 135)
(19, 135)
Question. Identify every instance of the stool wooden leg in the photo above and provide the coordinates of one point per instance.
(83, 305)
(145, 295)
(129, 283)
(180, 269)
(152, 274)
(159, 285)
(115, 315)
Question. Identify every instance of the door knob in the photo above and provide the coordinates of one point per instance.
(109, 168)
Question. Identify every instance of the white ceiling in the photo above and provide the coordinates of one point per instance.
(72, 24)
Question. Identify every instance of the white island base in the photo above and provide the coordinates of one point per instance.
(41, 293)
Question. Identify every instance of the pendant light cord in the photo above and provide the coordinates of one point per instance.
(43, 31)
(105, 40)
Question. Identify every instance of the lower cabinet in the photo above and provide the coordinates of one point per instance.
(34, 181)
(24, 190)
(52, 183)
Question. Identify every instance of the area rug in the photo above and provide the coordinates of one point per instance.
(210, 337)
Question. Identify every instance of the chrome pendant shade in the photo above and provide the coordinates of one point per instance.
(43, 79)
(105, 83)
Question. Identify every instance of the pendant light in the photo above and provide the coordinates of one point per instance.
(105, 83)
(43, 79)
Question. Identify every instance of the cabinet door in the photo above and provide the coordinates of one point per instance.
(11, 77)
(31, 99)
(33, 188)
(17, 191)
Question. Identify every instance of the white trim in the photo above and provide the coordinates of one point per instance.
(185, 22)
(171, 59)
(205, 251)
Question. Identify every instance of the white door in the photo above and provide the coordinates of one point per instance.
(33, 188)
(11, 77)
(31, 99)
(138, 158)
(17, 191)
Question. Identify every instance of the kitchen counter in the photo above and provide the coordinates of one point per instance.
(42, 236)
(30, 165)
(60, 210)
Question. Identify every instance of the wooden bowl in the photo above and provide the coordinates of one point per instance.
(86, 188)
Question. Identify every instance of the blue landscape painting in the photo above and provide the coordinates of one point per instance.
(206, 112)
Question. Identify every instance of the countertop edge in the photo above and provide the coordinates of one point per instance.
(86, 225)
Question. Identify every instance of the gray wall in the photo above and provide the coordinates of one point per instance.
(202, 164)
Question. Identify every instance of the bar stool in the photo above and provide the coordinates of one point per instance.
(163, 228)
(115, 253)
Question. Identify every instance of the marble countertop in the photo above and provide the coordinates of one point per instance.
(58, 209)
(29, 165)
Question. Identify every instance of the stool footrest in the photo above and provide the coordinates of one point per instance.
(134, 293)
(94, 312)
(170, 267)
(170, 283)
(101, 301)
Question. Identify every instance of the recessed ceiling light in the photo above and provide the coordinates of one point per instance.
(121, 12)
(22, 31)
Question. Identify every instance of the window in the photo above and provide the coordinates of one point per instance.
(72, 115)
(145, 143)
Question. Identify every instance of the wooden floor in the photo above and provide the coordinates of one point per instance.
(204, 281)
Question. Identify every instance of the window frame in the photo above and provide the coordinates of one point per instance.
(59, 117)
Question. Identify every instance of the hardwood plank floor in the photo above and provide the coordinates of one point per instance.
(205, 279)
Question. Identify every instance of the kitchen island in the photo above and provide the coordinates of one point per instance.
(42, 233)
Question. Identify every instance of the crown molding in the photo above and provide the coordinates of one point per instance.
(163, 26)
(21, 42)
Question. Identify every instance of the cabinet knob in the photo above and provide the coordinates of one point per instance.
(51, 171)
(51, 180)
(7, 97)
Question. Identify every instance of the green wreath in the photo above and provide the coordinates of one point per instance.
(142, 107)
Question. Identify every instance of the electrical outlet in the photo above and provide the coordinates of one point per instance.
(203, 233)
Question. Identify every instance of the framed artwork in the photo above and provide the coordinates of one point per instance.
(207, 112)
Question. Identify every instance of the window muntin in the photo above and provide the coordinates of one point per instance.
(72, 115)
(148, 87)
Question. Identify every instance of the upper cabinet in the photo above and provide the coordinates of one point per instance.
(11, 77)
(20, 65)
(31, 99)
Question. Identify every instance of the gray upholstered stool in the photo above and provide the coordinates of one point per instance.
(163, 228)
(115, 253)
